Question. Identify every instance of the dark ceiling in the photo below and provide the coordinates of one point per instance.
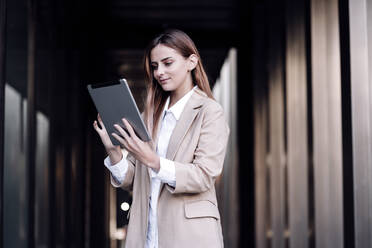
(110, 36)
(129, 25)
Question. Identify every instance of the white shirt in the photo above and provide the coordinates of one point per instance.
(167, 172)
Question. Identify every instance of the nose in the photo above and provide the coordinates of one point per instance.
(159, 71)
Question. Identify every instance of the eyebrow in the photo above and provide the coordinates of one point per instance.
(161, 60)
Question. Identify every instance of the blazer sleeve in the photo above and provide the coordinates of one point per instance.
(200, 175)
(127, 183)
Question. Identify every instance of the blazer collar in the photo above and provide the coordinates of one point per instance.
(183, 124)
(178, 107)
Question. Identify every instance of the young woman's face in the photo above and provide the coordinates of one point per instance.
(170, 68)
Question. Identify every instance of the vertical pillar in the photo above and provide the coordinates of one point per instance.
(361, 120)
(276, 125)
(225, 93)
(260, 165)
(327, 128)
(31, 123)
(262, 213)
(297, 140)
(233, 188)
(2, 108)
(277, 156)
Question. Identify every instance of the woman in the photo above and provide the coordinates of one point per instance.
(172, 178)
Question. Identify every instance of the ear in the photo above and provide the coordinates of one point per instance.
(192, 62)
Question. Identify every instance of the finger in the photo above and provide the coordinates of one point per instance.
(96, 127)
(122, 132)
(100, 121)
(120, 139)
(129, 128)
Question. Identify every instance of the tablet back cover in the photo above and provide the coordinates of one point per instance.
(115, 101)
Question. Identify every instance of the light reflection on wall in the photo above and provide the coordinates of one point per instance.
(15, 173)
(41, 180)
(225, 92)
(60, 193)
(15, 194)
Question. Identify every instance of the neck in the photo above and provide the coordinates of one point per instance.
(179, 93)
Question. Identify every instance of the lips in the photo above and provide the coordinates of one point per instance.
(163, 80)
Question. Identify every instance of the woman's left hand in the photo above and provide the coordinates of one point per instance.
(142, 151)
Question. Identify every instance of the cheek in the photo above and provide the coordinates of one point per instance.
(155, 75)
(179, 71)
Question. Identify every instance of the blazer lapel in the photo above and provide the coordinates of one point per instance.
(183, 124)
(188, 115)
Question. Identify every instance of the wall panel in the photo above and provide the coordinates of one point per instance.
(361, 126)
(262, 215)
(227, 189)
(327, 145)
(297, 141)
(276, 156)
(261, 170)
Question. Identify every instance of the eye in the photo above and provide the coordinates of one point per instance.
(154, 67)
(168, 63)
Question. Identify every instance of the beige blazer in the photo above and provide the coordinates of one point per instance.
(188, 215)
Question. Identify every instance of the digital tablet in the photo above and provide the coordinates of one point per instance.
(114, 101)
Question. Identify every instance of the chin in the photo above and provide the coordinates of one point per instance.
(167, 87)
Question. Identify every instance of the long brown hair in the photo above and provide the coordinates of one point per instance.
(156, 96)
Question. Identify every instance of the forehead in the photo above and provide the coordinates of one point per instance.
(160, 52)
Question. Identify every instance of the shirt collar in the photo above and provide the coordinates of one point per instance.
(178, 107)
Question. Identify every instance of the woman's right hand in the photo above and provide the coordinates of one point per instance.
(114, 152)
